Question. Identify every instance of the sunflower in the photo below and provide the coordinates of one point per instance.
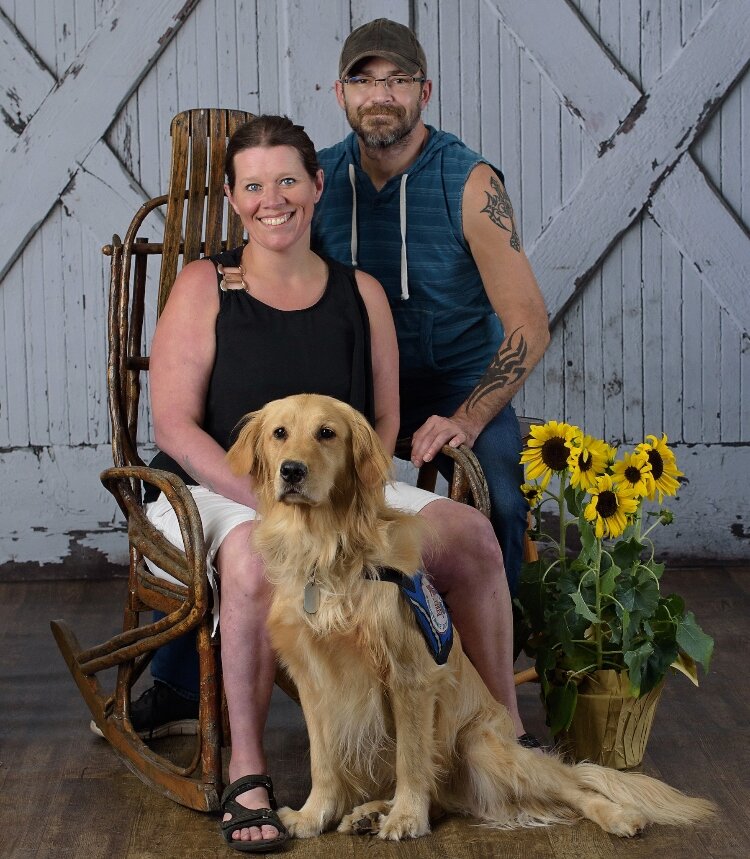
(610, 507)
(634, 470)
(548, 450)
(532, 492)
(663, 466)
(588, 460)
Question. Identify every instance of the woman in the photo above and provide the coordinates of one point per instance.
(290, 322)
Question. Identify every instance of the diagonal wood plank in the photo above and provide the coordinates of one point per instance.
(86, 100)
(102, 195)
(595, 89)
(720, 252)
(589, 81)
(641, 153)
(26, 83)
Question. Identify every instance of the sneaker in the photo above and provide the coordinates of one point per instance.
(161, 712)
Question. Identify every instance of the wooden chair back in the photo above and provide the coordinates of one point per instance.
(194, 226)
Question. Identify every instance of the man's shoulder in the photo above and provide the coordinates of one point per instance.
(329, 156)
(454, 153)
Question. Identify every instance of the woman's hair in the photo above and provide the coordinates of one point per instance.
(267, 131)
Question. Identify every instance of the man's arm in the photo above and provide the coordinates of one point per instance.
(490, 230)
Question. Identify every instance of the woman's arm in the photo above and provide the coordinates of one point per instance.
(384, 360)
(182, 357)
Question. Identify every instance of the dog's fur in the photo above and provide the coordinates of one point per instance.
(394, 737)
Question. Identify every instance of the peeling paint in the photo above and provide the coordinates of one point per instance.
(573, 109)
(627, 125)
(15, 124)
(659, 179)
(179, 17)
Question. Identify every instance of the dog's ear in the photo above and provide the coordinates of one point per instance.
(245, 456)
(371, 462)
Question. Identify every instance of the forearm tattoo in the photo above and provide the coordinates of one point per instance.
(507, 367)
(499, 209)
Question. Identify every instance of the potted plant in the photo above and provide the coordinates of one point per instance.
(602, 633)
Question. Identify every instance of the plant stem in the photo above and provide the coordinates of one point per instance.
(598, 607)
(561, 509)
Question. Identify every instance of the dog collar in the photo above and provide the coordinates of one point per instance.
(428, 607)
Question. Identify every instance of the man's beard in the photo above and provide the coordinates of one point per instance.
(381, 136)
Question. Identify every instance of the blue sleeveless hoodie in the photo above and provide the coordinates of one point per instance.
(409, 235)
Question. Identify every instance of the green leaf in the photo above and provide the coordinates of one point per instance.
(628, 631)
(560, 704)
(664, 654)
(695, 642)
(674, 604)
(639, 595)
(627, 553)
(656, 569)
(636, 661)
(609, 579)
(582, 608)
(573, 499)
(588, 540)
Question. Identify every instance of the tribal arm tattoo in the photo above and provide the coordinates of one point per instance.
(506, 368)
(499, 208)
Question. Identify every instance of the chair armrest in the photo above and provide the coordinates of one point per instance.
(468, 478)
(187, 566)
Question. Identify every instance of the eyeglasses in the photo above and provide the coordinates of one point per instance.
(392, 82)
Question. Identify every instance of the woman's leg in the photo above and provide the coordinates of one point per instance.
(248, 664)
(466, 565)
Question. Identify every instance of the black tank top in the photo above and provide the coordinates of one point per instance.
(263, 353)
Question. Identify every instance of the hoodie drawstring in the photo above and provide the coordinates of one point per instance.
(402, 225)
(353, 181)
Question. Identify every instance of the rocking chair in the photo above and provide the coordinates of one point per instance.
(194, 226)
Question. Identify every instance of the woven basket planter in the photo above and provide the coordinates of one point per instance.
(610, 726)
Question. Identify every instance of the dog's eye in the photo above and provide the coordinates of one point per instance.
(326, 432)
(279, 432)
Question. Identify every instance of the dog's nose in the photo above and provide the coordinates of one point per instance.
(293, 471)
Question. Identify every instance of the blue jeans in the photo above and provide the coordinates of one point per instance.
(176, 664)
(498, 449)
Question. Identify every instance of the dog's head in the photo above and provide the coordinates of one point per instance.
(309, 450)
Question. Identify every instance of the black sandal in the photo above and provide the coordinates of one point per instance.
(243, 817)
(529, 741)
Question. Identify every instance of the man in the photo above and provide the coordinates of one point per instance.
(431, 220)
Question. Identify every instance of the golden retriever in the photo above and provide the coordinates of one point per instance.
(394, 737)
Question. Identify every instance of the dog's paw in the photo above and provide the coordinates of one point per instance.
(398, 825)
(365, 819)
(627, 823)
(300, 825)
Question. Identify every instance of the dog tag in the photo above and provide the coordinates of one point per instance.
(312, 598)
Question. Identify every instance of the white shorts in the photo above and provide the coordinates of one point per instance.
(220, 515)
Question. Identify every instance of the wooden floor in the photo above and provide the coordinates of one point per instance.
(63, 793)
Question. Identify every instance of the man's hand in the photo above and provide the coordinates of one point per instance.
(428, 440)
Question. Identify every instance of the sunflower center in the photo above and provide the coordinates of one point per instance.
(657, 463)
(632, 474)
(585, 462)
(606, 506)
(555, 453)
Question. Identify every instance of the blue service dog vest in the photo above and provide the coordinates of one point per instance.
(429, 610)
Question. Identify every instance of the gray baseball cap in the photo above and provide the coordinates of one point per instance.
(383, 38)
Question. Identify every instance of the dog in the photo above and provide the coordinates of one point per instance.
(395, 737)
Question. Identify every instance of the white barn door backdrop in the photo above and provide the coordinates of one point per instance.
(623, 130)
